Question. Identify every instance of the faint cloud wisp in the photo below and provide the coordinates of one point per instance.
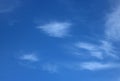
(56, 29)
(93, 66)
(8, 5)
(29, 57)
(99, 51)
(113, 25)
(52, 68)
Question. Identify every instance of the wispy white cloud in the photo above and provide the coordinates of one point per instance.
(52, 68)
(109, 49)
(112, 29)
(8, 5)
(113, 25)
(86, 46)
(94, 50)
(29, 57)
(100, 51)
(56, 29)
(112, 34)
(93, 66)
(34, 62)
(98, 54)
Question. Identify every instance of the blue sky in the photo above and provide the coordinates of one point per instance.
(59, 40)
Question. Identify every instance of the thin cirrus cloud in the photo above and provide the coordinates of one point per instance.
(33, 61)
(56, 29)
(94, 66)
(51, 68)
(29, 58)
(8, 5)
(91, 48)
(112, 29)
(112, 34)
(105, 48)
(87, 46)
(109, 49)
(113, 25)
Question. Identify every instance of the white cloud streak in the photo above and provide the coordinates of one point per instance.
(87, 46)
(112, 31)
(105, 48)
(108, 48)
(94, 66)
(91, 48)
(29, 57)
(113, 25)
(56, 29)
